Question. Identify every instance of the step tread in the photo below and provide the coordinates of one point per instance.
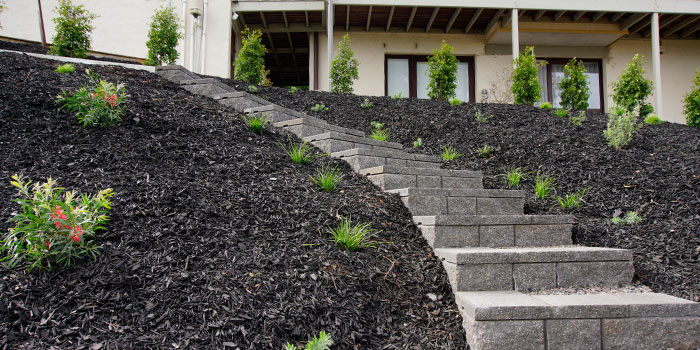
(486, 255)
(236, 94)
(276, 108)
(398, 154)
(457, 192)
(389, 169)
(514, 305)
(465, 220)
(318, 123)
(350, 138)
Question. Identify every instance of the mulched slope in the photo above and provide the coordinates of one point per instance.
(36, 48)
(217, 240)
(658, 174)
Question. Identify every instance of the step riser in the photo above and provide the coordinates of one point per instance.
(273, 116)
(359, 162)
(209, 90)
(175, 75)
(396, 181)
(497, 236)
(331, 146)
(442, 205)
(534, 276)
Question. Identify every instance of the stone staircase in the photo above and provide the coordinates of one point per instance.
(518, 280)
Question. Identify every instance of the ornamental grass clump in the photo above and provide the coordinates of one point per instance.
(526, 86)
(366, 104)
(293, 90)
(253, 89)
(54, 226)
(450, 153)
(163, 37)
(572, 199)
(319, 108)
(397, 96)
(574, 86)
(484, 152)
(546, 106)
(632, 89)
(691, 103)
(301, 153)
(97, 103)
(513, 176)
(73, 29)
(257, 123)
(322, 342)
(543, 186)
(622, 125)
(65, 68)
(577, 118)
(456, 102)
(561, 112)
(327, 177)
(352, 237)
(631, 218)
(480, 117)
(653, 119)
(379, 132)
(442, 73)
(344, 68)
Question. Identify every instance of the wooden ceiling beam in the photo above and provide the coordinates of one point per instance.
(617, 16)
(598, 16)
(432, 19)
(452, 19)
(369, 19)
(577, 16)
(306, 16)
(347, 18)
(264, 21)
(410, 18)
(391, 16)
(558, 15)
(473, 20)
(494, 20)
(539, 14)
(679, 26)
(632, 20)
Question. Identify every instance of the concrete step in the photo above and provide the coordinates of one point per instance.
(209, 87)
(240, 100)
(395, 177)
(488, 230)
(362, 158)
(531, 268)
(175, 73)
(451, 201)
(332, 142)
(276, 113)
(499, 319)
(310, 126)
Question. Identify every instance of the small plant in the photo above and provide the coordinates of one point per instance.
(379, 132)
(65, 68)
(257, 122)
(350, 237)
(319, 108)
(691, 103)
(572, 199)
(622, 125)
(163, 37)
(73, 29)
(418, 143)
(442, 73)
(513, 176)
(482, 118)
(561, 112)
(653, 119)
(578, 118)
(344, 68)
(322, 342)
(484, 152)
(456, 102)
(300, 153)
(450, 153)
(543, 186)
(293, 90)
(631, 218)
(327, 178)
(249, 65)
(53, 227)
(632, 88)
(574, 86)
(100, 103)
(366, 104)
(526, 86)
(253, 89)
(397, 96)
(545, 105)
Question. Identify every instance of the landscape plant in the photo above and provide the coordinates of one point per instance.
(526, 86)
(73, 29)
(513, 176)
(293, 90)
(442, 73)
(691, 103)
(397, 96)
(379, 132)
(249, 65)
(327, 177)
(572, 199)
(97, 103)
(257, 122)
(546, 105)
(484, 152)
(321, 342)
(65, 68)
(319, 108)
(632, 89)
(561, 112)
(574, 86)
(622, 125)
(163, 37)
(456, 102)
(301, 153)
(577, 118)
(344, 68)
(543, 186)
(631, 218)
(450, 153)
(253, 89)
(366, 104)
(480, 117)
(652, 119)
(352, 237)
(418, 143)
(54, 226)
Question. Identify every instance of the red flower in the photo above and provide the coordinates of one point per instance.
(77, 234)
(48, 245)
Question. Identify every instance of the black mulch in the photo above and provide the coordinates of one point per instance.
(217, 240)
(37, 48)
(658, 174)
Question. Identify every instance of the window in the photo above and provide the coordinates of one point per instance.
(408, 75)
(551, 74)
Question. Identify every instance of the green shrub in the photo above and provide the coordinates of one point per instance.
(418, 143)
(100, 103)
(632, 89)
(442, 73)
(73, 29)
(484, 152)
(65, 68)
(526, 86)
(578, 118)
(561, 112)
(253, 89)
(513, 176)
(691, 103)
(350, 237)
(456, 102)
(397, 96)
(450, 153)
(163, 37)
(319, 108)
(379, 132)
(482, 118)
(546, 105)
(257, 123)
(322, 342)
(572, 199)
(653, 119)
(344, 68)
(631, 218)
(327, 178)
(574, 86)
(543, 186)
(249, 65)
(300, 153)
(621, 127)
(293, 90)
(53, 227)
(366, 104)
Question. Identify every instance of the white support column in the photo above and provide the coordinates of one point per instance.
(656, 61)
(329, 31)
(515, 38)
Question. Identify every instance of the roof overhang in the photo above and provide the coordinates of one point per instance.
(270, 6)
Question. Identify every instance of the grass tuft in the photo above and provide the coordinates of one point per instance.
(300, 153)
(418, 143)
(322, 342)
(482, 118)
(546, 105)
(513, 176)
(397, 96)
(379, 132)
(572, 199)
(327, 178)
(350, 237)
(252, 89)
(561, 112)
(366, 104)
(257, 123)
(653, 119)
(319, 108)
(450, 153)
(65, 68)
(456, 102)
(543, 186)
(631, 218)
(484, 152)
(293, 90)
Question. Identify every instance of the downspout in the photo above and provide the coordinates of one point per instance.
(41, 26)
(203, 44)
(192, 28)
(184, 39)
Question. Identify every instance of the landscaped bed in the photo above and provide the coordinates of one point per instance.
(216, 239)
(657, 175)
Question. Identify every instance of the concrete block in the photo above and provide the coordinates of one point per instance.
(455, 236)
(581, 306)
(581, 334)
(422, 164)
(485, 255)
(500, 206)
(499, 335)
(330, 146)
(426, 205)
(484, 277)
(209, 90)
(428, 181)
(543, 235)
(501, 305)
(392, 181)
(460, 206)
(680, 333)
(496, 236)
(594, 273)
(534, 276)
(461, 182)
(240, 103)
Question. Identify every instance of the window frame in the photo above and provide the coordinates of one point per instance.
(412, 73)
(559, 60)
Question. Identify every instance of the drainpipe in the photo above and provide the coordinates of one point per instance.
(656, 61)
(193, 27)
(329, 31)
(41, 26)
(203, 44)
(184, 39)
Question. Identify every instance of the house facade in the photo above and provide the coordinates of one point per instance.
(392, 39)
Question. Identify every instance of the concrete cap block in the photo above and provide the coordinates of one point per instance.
(484, 255)
(355, 139)
(461, 220)
(276, 108)
(394, 154)
(420, 171)
(502, 305)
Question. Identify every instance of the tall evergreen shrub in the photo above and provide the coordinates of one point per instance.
(442, 73)
(691, 103)
(574, 86)
(73, 29)
(163, 37)
(526, 87)
(249, 65)
(632, 88)
(344, 68)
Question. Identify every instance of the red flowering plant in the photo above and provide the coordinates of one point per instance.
(98, 103)
(54, 226)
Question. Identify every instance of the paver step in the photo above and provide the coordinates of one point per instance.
(362, 158)
(241, 100)
(209, 87)
(276, 113)
(332, 142)
(309, 126)
(499, 319)
(452, 201)
(175, 73)
(389, 177)
(455, 231)
(528, 268)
